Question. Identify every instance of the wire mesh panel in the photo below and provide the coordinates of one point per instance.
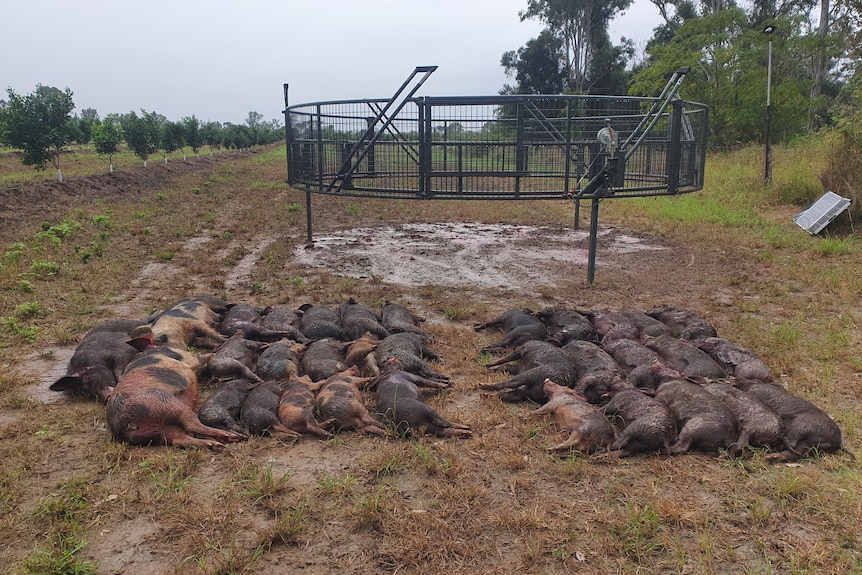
(502, 147)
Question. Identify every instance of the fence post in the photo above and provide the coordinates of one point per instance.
(673, 153)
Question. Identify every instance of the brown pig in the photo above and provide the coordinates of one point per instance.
(296, 407)
(588, 429)
(360, 352)
(190, 321)
(155, 400)
(339, 399)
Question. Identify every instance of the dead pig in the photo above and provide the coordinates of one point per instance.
(704, 423)
(155, 400)
(683, 323)
(249, 319)
(235, 358)
(588, 429)
(399, 402)
(296, 407)
(319, 322)
(280, 360)
(759, 425)
(599, 377)
(735, 359)
(357, 319)
(339, 399)
(99, 361)
(646, 424)
(222, 408)
(284, 320)
(360, 352)
(411, 351)
(397, 318)
(536, 362)
(610, 325)
(807, 428)
(189, 322)
(259, 412)
(322, 359)
(636, 360)
(520, 326)
(566, 325)
(686, 358)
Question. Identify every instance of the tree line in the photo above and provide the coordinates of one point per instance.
(815, 45)
(41, 125)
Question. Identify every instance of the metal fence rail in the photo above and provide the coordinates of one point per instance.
(501, 147)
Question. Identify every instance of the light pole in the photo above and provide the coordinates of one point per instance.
(767, 152)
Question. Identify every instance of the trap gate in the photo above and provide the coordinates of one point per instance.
(513, 147)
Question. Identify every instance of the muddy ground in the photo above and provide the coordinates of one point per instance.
(493, 504)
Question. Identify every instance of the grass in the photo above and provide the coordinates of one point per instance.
(74, 501)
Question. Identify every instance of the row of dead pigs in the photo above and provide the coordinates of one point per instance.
(277, 369)
(646, 382)
(280, 366)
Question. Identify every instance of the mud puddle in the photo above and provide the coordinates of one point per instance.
(484, 255)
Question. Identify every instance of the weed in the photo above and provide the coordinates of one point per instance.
(44, 268)
(260, 482)
(103, 220)
(166, 254)
(337, 484)
(353, 210)
(292, 207)
(296, 281)
(60, 556)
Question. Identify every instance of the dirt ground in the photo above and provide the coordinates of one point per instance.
(436, 267)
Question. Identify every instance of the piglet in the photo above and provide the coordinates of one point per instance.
(339, 399)
(807, 428)
(259, 412)
(296, 407)
(222, 408)
(280, 360)
(399, 402)
(704, 423)
(647, 425)
(235, 358)
(588, 429)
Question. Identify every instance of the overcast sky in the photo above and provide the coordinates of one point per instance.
(218, 59)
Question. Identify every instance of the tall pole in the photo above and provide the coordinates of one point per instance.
(767, 151)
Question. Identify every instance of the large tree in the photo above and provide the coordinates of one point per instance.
(38, 124)
(581, 27)
(536, 67)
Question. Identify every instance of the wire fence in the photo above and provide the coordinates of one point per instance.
(501, 147)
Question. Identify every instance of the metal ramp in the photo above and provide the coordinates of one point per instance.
(355, 156)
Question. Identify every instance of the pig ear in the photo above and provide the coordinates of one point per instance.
(67, 383)
(141, 343)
